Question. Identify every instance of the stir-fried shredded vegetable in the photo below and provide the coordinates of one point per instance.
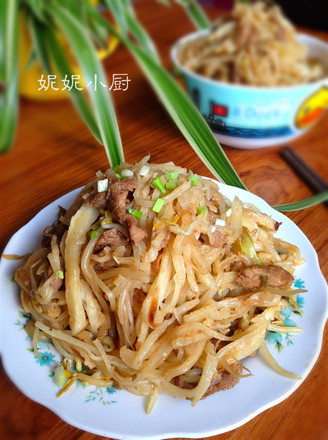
(158, 295)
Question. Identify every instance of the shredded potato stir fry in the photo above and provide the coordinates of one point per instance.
(255, 45)
(169, 300)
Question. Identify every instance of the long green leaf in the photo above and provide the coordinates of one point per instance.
(62, 64)
(196, 13)
(37, 30)
(115, 7)
(37, 7)
(142, 37)
(93, 75)
(132, 25)
(8, 72)
(184, 113)
(193, 10)
(302, 204)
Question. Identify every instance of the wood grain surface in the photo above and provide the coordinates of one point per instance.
(54, 153)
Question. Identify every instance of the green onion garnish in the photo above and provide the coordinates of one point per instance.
(116, 168)
(59, 377)
(136, 213)
(172, 175)
(158, 205)
(194, 179)
(59, 274)
(247, 246)
(118, 175)
(13, 280)
(172, 184)
(94, 234)
(102, 185)
(202, 210)
(127, 173)
(157, 183)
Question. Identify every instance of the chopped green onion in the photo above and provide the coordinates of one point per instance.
(13, 280)
(157, 183)
(265, 280)
(116, 168)
(136, 213)
(118, 175)
(220, 222)
(59, 377)
(94, 234)
(194, 179)
(126, 173)
(172, 175)
(158, 205)
(59, 274)
(172, 184)
(102, 185)
(144, 170)
(247, 246)
(202, 210)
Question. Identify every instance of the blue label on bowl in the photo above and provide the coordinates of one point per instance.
(250, 112)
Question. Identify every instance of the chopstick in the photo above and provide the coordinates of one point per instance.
(307, 174)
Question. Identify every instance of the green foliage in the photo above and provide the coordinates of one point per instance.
(85, 29)
(8, 72)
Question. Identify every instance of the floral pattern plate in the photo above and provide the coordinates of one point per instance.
(121, 415)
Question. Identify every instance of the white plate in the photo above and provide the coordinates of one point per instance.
(121, 415)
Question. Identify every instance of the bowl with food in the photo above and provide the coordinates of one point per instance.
(256, 81)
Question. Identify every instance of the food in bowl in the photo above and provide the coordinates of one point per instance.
(255, 115)
(154, 282)
(255, 45)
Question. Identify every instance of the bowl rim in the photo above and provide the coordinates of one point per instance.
(305, 38)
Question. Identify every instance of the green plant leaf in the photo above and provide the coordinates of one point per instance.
(116, 8)
(93, 72)
(132, 25)
(37, 30)
(8, 72)
(62, 65)
(193, 10)
(196, 13)
(302, 204)
(31, 59)
(37, 7)
(184, 113)
(142, 37)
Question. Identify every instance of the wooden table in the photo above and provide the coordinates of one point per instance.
(54, 153)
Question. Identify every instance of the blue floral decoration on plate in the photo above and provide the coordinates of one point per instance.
(276, 338)
(48, 359)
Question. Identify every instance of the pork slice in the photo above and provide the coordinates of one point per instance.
(136, 232)
(221, 381)
(57, 229)
(256, 276)
(110, 237)
(56, 283)
(218, 239)
(97, 200)
(224, 381)
(23, 279)
(119, 194)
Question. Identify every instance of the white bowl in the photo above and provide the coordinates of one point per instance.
(255, 117)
